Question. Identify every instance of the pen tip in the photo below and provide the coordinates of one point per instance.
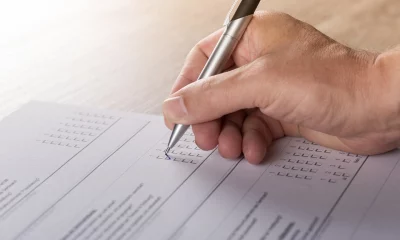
(167, 150)
(166, 153)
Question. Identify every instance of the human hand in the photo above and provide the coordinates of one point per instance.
(285, 78)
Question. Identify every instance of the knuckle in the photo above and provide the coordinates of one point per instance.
(278, 29)
(205, 85)
(195, 48)
(279, 16)
(278, 23)
(263, 65)
(254, 123)
(273, 16)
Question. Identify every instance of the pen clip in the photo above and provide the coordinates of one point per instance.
(232, 11)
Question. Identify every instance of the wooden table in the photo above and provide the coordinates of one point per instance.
(125, 54)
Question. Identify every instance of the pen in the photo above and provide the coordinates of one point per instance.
(235, 24)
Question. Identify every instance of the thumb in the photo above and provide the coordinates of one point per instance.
(212, 98)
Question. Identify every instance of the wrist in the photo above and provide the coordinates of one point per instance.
(385, 73)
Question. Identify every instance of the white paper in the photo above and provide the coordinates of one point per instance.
(75, 173)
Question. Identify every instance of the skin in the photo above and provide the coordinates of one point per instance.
(286, 78)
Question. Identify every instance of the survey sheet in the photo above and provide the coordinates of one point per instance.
(73, 173)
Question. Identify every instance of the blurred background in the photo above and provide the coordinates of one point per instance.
(126, 54)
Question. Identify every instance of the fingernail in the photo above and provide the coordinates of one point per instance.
(174, 108)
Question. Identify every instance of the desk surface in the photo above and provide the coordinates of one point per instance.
(125, 54)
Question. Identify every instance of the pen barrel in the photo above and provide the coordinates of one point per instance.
(216, 63)
(225, 47)
(177, 133)
(245, 8)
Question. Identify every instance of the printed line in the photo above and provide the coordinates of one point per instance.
(52, 174)
(122, 174)
(244, 195)
(324, 221)
(93, 170)
(375, 198)
(166, 200)
(204, 201)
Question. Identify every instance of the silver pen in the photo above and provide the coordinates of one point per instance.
(235, 24)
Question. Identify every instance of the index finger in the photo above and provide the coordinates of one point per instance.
(197, 59)
(207, 133)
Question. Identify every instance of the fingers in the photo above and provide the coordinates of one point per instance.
(256, 138)
(240, 92)
(212, 98)
(206, 134)
(230, 139)
(196, 60)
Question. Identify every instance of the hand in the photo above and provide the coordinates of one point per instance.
(285, 78)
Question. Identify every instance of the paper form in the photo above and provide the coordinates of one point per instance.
(76, 173)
